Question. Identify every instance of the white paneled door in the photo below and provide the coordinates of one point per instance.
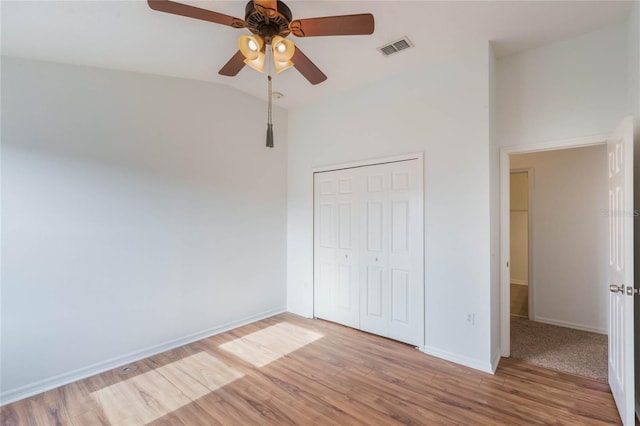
(368, 233)
(620, 271)
(336, 265)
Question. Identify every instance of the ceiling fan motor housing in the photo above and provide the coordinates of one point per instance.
(268, 23)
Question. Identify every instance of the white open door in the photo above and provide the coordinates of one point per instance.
(620, 270)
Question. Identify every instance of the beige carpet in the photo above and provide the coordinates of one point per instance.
(564, 349)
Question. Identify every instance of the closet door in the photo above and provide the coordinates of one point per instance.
(336, 251)
(368, 255)
(405, 258)
(374, 227)
(391, 301)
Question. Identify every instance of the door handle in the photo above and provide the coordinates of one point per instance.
(613, 288)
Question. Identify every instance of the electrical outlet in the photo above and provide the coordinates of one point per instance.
(471, 319)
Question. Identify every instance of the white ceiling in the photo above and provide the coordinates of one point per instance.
(128, 35)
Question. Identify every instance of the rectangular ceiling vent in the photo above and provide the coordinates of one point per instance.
(395, 46)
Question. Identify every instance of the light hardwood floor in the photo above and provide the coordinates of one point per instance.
(292, 370)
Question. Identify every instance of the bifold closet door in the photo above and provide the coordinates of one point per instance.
(336, 259)
(391, 292)
(368, 249)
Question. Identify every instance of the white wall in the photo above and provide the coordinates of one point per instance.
(441, 109)
(569, 242)
(633, 52)
(568, 89)
(572, 88)
(494, 197)
(519, 228)
(138, 211)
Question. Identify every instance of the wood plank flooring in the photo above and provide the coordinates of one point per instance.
(291, 370)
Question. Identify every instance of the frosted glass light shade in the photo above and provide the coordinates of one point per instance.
(283, 49)
(257, 63)
(281, 66)
(250, 46)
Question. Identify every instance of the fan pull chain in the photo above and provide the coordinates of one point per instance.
(269, 105)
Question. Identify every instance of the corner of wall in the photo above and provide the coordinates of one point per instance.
(494, 165)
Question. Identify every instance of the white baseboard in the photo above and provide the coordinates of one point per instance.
(494, 363)
(487, 367)
(570, 325)
(519, 282)
(12, 395)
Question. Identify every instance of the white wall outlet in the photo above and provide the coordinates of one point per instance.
(471, 319)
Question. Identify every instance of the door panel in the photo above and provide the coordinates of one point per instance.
(373, 306)
(374, 226)
(405, 259)
(399, 296)
(375, 182)
(620, 270)
(400, 227)
(335, 250)
(326, 225)
(368, 228)
(344, 287)
(345, 233)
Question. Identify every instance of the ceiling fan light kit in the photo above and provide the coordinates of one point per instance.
(270, 22)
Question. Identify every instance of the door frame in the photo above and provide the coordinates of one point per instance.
(505, 276)
(373, 162)
(530, 289)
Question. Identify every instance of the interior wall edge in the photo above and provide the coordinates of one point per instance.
(477, 364)
(13, 395)
(495, 362)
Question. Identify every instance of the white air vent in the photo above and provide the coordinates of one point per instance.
(395, 46)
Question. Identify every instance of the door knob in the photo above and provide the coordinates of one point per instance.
(613, 288)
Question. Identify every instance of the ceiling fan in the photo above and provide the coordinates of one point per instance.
(270, 22)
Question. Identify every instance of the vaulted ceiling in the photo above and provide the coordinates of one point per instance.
(128, 35)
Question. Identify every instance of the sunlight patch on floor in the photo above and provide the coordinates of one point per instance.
(149, 396)
(271, 343)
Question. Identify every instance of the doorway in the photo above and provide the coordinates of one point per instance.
(567, 329)
(505, 272)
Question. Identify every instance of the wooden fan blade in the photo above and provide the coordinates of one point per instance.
(267, 4)
(195, 12)
(361, 24)
(307, 68)
(233, 67)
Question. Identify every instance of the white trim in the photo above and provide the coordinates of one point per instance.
(372, 162)
(505, 152)
(519, 282)
(487, 367)
(495, 363)
(567, 324)
(40, 386)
